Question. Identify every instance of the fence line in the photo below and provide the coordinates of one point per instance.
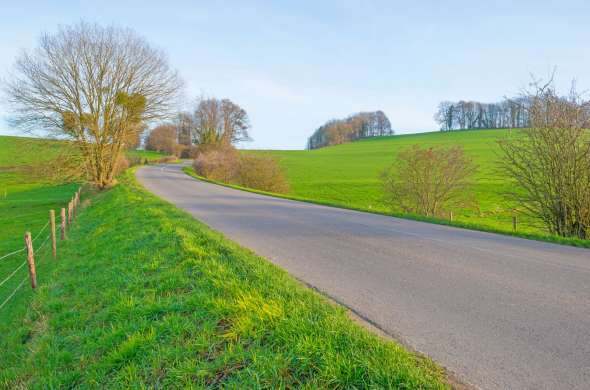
(31, 251)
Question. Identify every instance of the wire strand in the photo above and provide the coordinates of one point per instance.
(43, 244)
(13, 273)
(13, 292)
(12, 253)
(41, 231)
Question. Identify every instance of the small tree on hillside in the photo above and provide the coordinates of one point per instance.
(428, 181)
(550, 161)
(95, 86)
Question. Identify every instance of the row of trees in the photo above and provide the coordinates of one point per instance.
(509, 113)
(360, 125)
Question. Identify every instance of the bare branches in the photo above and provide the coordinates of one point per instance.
(94, 85)
(550, 162)
(429, 181)
(219, 122)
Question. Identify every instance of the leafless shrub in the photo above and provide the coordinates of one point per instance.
(227, 165)
(550, 161)
(429, 181)
(219, 164)
(262, 173)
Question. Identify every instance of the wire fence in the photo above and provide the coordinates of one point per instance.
(33, 247)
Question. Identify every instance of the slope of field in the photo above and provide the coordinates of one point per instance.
(349, 175)
(25, 202)
(145, 296)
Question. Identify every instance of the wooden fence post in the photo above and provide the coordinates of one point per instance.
(70, 213)
(451, 216)
(514, 222)
(31, 259)
(63, 223)
(53, 240)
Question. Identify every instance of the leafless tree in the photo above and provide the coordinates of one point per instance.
(550, 161)
(164, 138)
(96, 86)
(218, 121)
(429, 181)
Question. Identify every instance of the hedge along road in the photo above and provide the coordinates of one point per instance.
(500, 312)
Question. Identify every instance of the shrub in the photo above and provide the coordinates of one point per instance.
(262, 173)
(429, 181)
(219, 164)
(227, 165)
(550, 162)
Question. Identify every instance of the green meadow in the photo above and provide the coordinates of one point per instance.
(25, 201)
(348, 175)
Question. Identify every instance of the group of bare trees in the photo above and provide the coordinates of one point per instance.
(510, 113)
(213, 122)
(360, 125)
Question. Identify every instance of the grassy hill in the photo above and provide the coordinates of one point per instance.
(142, 295)
(25, 201)
(348, 175)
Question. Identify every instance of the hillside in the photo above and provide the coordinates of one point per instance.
(25, 201)
(348, 174)
(144, 295)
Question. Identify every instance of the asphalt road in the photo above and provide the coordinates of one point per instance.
(500, 312)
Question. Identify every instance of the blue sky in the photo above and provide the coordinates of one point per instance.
(294, 65)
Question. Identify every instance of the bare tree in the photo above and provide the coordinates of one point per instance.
(550, 161)
(164, 138)
(428, 181)
(219, 122)
(95, 86)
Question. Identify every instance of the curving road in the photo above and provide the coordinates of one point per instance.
(500, 312)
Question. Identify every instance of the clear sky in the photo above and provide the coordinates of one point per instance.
(295, 64)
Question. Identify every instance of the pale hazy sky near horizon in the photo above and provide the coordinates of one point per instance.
(295, 64)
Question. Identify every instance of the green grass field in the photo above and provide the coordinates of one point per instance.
(144, 296)
(348, 175)
(25, 202)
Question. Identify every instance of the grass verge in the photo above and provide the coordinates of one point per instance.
(460, 224)
(144, 296)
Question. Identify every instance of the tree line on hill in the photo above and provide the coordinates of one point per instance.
(462, 115)
(359, 125)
